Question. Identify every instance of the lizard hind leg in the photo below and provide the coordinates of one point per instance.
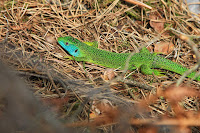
(145, 69)
(198, 78)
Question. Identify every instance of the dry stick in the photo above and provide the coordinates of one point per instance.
(53, 83)
(32, 74)
(141, 4)
(5, 40)
(106, 11)
(140, 85)
(187, 39)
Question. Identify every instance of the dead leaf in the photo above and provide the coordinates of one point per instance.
(50, 39)
(138, 22)
(148, 129)
(184, 37)
(109, 74)
(150, 48)
(97, 106)
(175, 94)
(163, 47)
(55, 103)
(157, 22)
(109, 114)
(93, 115)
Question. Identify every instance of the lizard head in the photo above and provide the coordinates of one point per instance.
(72, 46)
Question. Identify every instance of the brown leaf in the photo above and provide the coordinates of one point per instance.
(175, 94)
(148, 129)
(183, 129)
(55, 103)
(50, 38)
(150, 48)
(157, 22)
(163, 47)
(108, 115)
(93, 115)
(109, 74)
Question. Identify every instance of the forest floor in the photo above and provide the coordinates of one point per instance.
(92, 98)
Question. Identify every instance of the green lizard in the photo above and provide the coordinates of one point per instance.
(143, 60)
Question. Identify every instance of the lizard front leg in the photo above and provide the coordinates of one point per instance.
(75, 58)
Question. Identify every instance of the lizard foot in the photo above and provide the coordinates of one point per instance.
(148, 71)
(158, 72)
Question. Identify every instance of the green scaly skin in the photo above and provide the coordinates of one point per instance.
(143, 60)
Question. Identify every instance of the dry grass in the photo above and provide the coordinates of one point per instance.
(32, 50)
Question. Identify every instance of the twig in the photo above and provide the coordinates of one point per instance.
(5, 40)
(53, 83)
(140, 85)
(139, 3)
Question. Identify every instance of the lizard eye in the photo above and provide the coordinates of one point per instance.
(66, 43)
(76, 50)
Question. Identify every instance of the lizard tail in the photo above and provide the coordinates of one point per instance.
(174, 67)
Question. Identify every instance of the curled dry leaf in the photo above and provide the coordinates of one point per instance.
(157, 22)
(109, 74)
(163, 47)
(50, 39)
(184, 37)
(99, 106)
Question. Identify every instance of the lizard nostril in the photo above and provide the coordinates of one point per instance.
(76, 50)
(66, 43)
